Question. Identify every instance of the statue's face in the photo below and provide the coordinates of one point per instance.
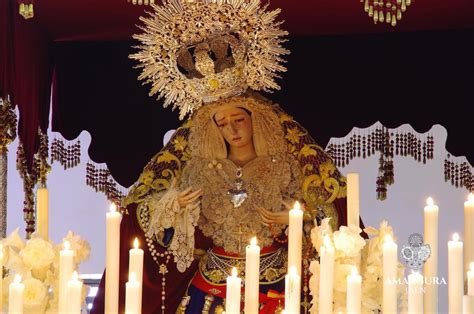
(235, 125)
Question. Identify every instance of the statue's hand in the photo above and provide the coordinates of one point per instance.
(188, 196)
(274, 218)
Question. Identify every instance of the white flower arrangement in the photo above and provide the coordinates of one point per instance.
(351, 249)
(37, 261)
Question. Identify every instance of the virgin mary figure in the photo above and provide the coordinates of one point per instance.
(230, 172)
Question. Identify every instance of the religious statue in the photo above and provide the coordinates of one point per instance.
(231, 171)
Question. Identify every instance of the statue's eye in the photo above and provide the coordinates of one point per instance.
(222, 125)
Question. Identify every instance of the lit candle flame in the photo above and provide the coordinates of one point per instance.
(470, 198)
(430, 201)
(113, 207)
(75, 276)
(297, 206)
(327, 241)
(67, 245)
(414, 272)
(253, 241)
(456, 237)
(471, 266)
(388, 238)
(135, 243)
(132, 277)
(354, 271)
(17, 278)
(234, 272)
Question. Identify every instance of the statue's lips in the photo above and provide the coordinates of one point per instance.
(236, 139)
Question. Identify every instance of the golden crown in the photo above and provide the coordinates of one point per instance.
(198, 51)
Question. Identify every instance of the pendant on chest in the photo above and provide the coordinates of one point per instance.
(238, 194)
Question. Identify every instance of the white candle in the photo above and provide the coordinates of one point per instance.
(326, 277)
(136, 267)
(470, 279)
(468, 304)
(132, 295)
(112, 261)
(295, 237)
(390, 250)
(1, 277)
(468, 231)
(15, 297)
(354, 292)
(66, 267)
(74, 294)
(415, 293)
(252, 276)
(430, 268)
(232, 303)
(292, 291)
(42, 220)
(353, 199)
(455, 274)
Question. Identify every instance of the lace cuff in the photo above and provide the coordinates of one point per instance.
(165, 213)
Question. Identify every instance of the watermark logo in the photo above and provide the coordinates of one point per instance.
(415, 254)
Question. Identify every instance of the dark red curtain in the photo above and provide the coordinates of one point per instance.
(6, 47)
(25, 73)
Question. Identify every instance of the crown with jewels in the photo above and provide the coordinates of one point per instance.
(198, 51)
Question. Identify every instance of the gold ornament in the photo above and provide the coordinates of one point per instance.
(195, 52)
(8, 124)
(389, 11)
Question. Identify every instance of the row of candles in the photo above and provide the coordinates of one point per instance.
(422, 289)
(133, 293)
(419, 295)
(70, 287)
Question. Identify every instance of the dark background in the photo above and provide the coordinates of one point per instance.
(333, 83)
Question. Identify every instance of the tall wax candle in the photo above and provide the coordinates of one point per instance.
(353, 199)
(252, 274)
(136, 267)
(430, 268)
(295, 237)
(455, 274)
(112, 261)
(74, 294)
(470, 279)
(354, 292)
(326, 277)
(415, 293)
(132, 295)
(232, 303)
(468, 231)
(15, 296)
(66, 267)
(42, 212)
(468, 304)
(389, 266)
(292, 291)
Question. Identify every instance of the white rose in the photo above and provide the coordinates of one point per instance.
(34, 296)
(348, 240)
(15, 263)
(38, 254)
(13, 240)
